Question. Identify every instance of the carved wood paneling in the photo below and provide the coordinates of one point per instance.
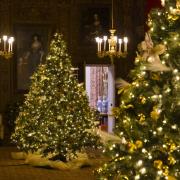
(61, 3)
(5, 83)
(39, 11)
(5, 16)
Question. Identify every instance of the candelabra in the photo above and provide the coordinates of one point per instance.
(6, 46)
(112, 46)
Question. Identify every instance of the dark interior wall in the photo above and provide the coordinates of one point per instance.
(69, 17)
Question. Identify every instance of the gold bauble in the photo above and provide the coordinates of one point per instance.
(171, 160)
(172, 17)
(132, 147)
(154, 115)
(128, 106)
(139, 144)
(172, 147)
(155, 77)
(158, 164)
(142, 118)
(165, 170)
(142, 99)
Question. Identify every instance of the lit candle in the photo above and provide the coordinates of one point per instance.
(163, 3)
(105, 39)
(115, 39)
(100, 42)
(4, 39)
(12, 40)
(97, 40)
(9, 44)
(120, 45)
(125, 44)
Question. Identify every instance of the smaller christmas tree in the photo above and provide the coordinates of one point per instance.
(56, 115)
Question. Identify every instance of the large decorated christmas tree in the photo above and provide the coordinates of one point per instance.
(148, 116)
(56, 115)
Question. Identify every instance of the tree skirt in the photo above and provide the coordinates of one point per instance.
(35, 159)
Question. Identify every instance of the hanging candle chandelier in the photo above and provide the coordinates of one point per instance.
(112, 46)
(6, 46)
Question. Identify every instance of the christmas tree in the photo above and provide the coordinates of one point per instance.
(56, 115)
(149, 110)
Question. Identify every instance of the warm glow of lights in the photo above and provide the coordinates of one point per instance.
(143, 170)
(163, 2)
(112, 46)
(175, 71)
(137, 177)
(7, 47)
(139, 163)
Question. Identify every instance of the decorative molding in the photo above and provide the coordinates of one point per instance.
(64, 2)
(33, 14)
(34, 11)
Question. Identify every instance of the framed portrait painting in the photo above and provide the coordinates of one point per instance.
(31, 49)
(95, 21)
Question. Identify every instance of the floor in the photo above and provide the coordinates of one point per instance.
(16, 170)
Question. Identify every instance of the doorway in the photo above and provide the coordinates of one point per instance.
(100, 88)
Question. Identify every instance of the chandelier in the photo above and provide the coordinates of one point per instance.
(112, 46)
(6, 50)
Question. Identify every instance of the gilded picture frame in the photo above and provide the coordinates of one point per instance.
(31, 50)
